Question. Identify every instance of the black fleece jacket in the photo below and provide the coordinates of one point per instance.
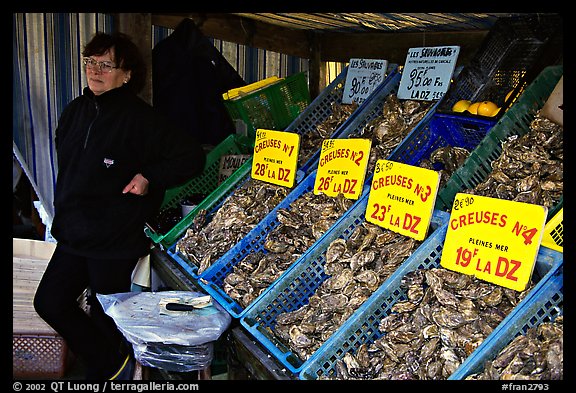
(101, 143)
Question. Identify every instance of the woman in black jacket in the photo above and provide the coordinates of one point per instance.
(116, 158)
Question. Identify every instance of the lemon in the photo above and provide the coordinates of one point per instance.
(473, 108)
(461, 105)
(496, 111)
(486, 108)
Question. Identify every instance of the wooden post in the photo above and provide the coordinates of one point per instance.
(317, 73)
(139, 27)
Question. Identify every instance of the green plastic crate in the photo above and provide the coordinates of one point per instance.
(203, 184)
(516, 121)
(273, 107)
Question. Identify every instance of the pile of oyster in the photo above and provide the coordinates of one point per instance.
(444, 318)
(357, 267)
(246, 207)
(203, 244)
(536, 355)
(300, 225)
(530, 168)
(390, 128)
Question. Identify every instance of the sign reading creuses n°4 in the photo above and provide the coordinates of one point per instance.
(494, 239)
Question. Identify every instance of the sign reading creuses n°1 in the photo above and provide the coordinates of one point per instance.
(275, 157)
(342, 167)
(494, 239)
(402, 198)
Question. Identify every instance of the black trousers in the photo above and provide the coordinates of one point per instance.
(93, 336)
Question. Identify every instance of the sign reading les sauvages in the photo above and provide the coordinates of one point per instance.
(342, 167)
(494, 239)
(275, 157)
(402, 198)
(363, 76)
(427, 72)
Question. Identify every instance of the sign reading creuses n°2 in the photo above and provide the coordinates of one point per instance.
(342, 167)
(275, 157)
(494, 239)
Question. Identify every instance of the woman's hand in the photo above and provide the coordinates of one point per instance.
(138, 185)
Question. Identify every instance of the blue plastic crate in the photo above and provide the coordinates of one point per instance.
(314, 114)
(300, 282)
(440, 131)
(544, 303)
(212, 279)
(363, 328)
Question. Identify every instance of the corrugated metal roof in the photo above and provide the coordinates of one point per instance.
(372, 22)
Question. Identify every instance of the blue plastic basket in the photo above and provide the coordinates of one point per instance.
(544, 303)
(363, 328)
(300, 282)
(440, 131)
(212, 279)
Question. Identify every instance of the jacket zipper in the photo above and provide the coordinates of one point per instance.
(91, 123)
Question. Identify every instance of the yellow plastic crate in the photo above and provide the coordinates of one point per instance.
(243, 90)
(554, 232)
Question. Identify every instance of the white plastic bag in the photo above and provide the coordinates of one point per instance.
(179, 341)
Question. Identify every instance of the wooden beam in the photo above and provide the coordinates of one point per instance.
(339, 47)
(138, 27)
(244, 31)
(394, 46)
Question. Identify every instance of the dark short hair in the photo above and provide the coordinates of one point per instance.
(127, 55)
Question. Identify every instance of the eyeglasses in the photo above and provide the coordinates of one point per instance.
(103, 66)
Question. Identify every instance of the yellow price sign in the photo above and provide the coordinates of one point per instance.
(494, 239)
(342, 167)
(275, 157)
(402, 198)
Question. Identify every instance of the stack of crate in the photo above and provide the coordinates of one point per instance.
(37, 350)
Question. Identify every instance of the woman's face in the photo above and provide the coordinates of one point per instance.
(101, 81)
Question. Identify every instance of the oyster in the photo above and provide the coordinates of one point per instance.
(396, 121)
(445, 160)
(529, 168)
